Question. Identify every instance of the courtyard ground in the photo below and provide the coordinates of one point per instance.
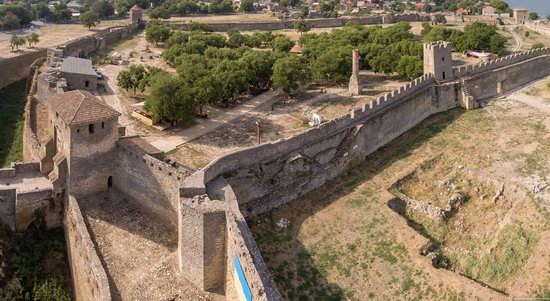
(137, 251)
(345, 242)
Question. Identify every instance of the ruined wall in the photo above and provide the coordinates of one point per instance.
(33, 150)
(149, 181)
(89, 278)
(7, 206)
(314, 23)
(17, 67)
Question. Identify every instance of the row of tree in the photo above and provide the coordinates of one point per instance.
(476, 36)
(384, 50)
(31, 39)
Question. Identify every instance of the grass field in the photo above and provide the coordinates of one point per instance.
(12, 107)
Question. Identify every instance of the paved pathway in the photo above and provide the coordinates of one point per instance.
(216, 118)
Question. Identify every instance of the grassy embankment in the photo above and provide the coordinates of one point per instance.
(12, 107)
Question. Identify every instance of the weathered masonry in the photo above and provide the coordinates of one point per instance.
(257, 179)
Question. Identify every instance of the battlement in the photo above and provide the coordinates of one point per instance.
(499, 63)
(392, 97)
(439, 45)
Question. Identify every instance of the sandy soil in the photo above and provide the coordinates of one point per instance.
(345, 242)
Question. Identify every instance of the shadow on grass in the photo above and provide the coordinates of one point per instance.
(291, 264)
(12, 108)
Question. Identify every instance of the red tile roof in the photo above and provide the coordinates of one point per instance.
(80, 107)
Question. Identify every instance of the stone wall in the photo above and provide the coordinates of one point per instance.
(257, 179)
(89, 278)
(149, 181)
(33, 150)
(314, 23)
(496, 77)
(17, 67)
(7, 207)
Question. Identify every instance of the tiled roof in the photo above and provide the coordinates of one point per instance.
(77, 65)
(135, 7)
(80, 107)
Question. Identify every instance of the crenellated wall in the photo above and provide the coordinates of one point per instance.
(257, 179)
(499, 76)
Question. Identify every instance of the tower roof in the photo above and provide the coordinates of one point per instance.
(135, 7)
(80, 107)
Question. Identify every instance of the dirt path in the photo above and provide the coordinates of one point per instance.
(517, 38)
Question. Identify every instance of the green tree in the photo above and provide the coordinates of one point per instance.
(41, 10)
(207, 92)
(235, 39)
(301, 26)
(16, 41)
(197, 26)
(61, 13)
(333, 65)
(232, 78)
(247, 6)
(157, 34)
(533, 16)
(289, 73)
(282, 43)
(10, 21)
(499, 5)
(132, 78)
(410, 67)
(33, 39)
(89, 19)
(170, 98)
(103, 8)
(159, 13)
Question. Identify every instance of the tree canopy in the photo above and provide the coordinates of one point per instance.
(89, 19)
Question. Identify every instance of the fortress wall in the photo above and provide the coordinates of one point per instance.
(272, 174)
(245, 268)
(314, 23)
(260, 178)
(332, 131)
(33, 151)
(17, 67)
(471, 70)
(485, 84)
(89, 278)
(149, 181)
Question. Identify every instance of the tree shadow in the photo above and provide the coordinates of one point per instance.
(291, 264)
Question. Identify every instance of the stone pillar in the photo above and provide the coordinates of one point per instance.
(354, 85)
(202, 242)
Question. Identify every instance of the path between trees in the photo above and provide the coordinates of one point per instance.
(216, 118)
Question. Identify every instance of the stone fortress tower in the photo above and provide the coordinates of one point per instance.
(136, 15)
(354, 84)
(438, 60)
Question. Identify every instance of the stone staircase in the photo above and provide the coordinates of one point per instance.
(467, 98)
(344, 145)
